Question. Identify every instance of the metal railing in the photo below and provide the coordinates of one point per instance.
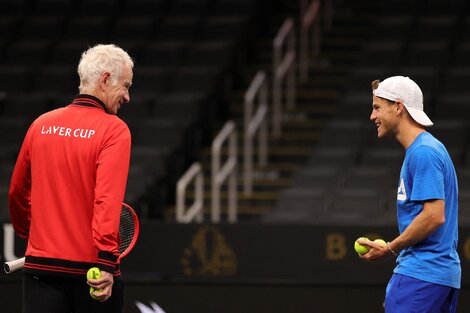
(283, 71)
(327, 14)
(255, 123)
(310, 26)
(196, 211)
(226, 172)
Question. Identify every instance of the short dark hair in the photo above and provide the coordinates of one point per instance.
(375, 84)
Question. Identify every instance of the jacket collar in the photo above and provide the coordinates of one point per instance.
(89, 101)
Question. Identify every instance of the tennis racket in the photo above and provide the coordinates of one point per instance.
(128, 234)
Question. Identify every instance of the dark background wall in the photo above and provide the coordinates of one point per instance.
(252, 268)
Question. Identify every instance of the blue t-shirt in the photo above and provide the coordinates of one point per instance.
(428, 173)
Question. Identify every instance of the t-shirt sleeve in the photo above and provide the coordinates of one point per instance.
(428, 175)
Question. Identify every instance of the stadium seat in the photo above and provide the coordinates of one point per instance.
(92, 29)
(465, 32)
(382, 52)
(4, 214)
(356, 205)
(16, 129)
(344, 133)
(178, 28)
(100, 8)
(136, 28)
(153, 159)
(138, 180)
(453, 105)
(455, 80)
(198, 8)
(42, 27)
(433, 53)
(143, 8)
(6, 169)
(464, 206)
(393, 27)
(194, 79)
(14, 78)
(319, 176)
(337, 156)
(56, 79)
(450, 131)
(184, 107)
(231, 28)
(234, 7)
(8, 28)
(139, 106)
(156, 132)
(383, 157)
(68, 52)
(460, 54)
(362, 76)
(441, 27)
(218, 54)
(151, 79)
(13, 8)
(370, 176)
(164, 53)
(62, 8)
(298, 206)
(26, 104)
(464, 178)
(28, 52)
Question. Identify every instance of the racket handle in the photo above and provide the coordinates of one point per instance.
(13, 266)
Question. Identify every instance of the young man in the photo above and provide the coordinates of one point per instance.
(427, 275)
(67, 190)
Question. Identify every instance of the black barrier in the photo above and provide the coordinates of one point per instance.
(247, 268)
(254, 253)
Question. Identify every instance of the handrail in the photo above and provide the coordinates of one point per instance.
(283, 65)
(310, 21)
(328, 11)
(227, 171)
(252, 123)
(196, 211)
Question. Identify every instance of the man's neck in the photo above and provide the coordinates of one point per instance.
(408, 133)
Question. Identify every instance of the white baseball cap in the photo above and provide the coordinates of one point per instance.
(406, 90)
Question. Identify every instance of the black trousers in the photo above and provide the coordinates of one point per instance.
(44, 294)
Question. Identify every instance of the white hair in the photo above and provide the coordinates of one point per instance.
(99, 59)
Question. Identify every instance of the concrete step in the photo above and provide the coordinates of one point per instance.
(245, 212)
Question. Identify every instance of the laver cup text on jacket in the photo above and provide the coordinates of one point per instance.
(67, 132)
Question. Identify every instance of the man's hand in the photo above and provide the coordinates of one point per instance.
(377, 252)
(104, 284)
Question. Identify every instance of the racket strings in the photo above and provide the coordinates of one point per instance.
(126, 230)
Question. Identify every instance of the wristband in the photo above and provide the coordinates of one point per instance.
(390, 249)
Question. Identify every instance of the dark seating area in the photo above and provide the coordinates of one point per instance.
(189, 55)
(184, 50)
(353, 174)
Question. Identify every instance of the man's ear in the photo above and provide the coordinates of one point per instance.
(399, 106)
(105, 79)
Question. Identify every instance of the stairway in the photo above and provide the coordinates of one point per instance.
(316, 103)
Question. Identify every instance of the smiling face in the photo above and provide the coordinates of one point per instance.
(385, 115)
(114, 95)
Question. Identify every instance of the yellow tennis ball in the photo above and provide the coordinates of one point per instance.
(93, 273)
(360, 248)
(381, 241)
(91, 293)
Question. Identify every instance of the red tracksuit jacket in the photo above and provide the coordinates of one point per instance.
(67, 189)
